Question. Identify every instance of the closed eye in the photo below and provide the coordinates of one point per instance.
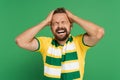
(55, 23)
(63, 22)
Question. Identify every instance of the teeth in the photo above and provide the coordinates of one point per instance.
(61, 31)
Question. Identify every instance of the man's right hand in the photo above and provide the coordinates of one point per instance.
(26, 39)
(49, 18)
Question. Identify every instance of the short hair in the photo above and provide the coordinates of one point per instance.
(59, 10)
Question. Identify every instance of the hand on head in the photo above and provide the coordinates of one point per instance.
(49, 17)
(70, 16)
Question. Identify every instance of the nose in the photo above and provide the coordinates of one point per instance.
(60, 25)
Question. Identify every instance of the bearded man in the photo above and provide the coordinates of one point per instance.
(64, 54)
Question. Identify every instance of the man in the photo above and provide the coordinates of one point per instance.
(63, 55)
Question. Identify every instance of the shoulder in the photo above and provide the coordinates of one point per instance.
(43, 42)
(78, 37)
(79, 40)
(43, 39)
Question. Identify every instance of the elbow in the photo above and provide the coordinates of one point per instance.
(100, 33)
(19, 42)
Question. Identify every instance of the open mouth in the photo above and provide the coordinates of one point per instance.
(61, 31)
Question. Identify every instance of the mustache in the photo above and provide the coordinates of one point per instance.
(61, 29)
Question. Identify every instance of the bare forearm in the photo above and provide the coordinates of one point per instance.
(94, 32)
(26, 40)
(89, 27)
(29, 34)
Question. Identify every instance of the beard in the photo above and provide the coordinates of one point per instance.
(61, 34)
(63, 38)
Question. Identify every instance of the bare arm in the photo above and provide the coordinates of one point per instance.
(93, 32)
(26, 40)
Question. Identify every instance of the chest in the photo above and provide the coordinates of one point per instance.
(61, 50)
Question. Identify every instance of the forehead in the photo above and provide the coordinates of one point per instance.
(59, 17)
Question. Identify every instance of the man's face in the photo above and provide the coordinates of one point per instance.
(60, 26)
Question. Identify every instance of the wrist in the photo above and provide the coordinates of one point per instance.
(73, 18)
(45, 22)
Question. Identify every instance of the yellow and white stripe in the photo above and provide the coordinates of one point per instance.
(52, 66)
(54, 52)
(51, 71)
(69, 47)
(70, 66)
(52, 76)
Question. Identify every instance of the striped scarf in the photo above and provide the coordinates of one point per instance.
(61, 61)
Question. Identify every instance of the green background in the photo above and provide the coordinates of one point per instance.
(102, 61)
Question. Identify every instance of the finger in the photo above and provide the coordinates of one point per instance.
(52, 12)
(67, 11)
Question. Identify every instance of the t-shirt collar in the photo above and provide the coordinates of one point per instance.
(54, 42)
